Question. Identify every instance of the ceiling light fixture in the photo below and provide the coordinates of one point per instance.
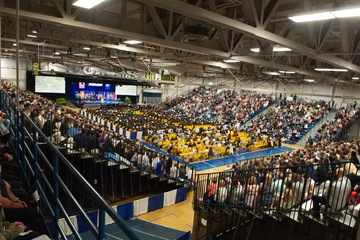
(87, 48)
(346, 13)
(87, 3)
(355, 78)
(6, 50)
(31, 36)
(272, 73)
(34, 31)
(281, 49)
(309, 80)
(255, 50)
(57, 53)
(231, 61)
(330, 70)
(132, 42)
(286, 72)
(14, 44)
(325, 15)
(311, 17)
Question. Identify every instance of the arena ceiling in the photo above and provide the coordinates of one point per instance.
(229, 29)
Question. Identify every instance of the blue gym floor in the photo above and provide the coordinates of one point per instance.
(206, 165)
(145, 230)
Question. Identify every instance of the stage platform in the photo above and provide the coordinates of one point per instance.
(218, 162)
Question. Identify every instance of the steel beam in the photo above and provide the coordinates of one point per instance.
(60, 8)
(156, 20)
(222, 38)
(324, 32)
(181, 25)
(270, 11)
(0, 48)
(273, 65)
(219, 20)
(152, 40)
(344, 32)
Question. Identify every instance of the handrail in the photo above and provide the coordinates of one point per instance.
(276, 202)
(103, 205)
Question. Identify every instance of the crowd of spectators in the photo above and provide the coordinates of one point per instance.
(287, 119)
(66, 127)
(130, 117)
(19, 218)
(325, 174)
(220, 106)
(329, 130)
(284, 180)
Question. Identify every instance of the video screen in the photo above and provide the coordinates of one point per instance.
(81, 85)
(49, 84)
(125, 90)
(95, 84)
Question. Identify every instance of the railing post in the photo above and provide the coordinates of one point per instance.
(56, 193)
(35, 153)
(23, 149)
(17, 129)
(101, 224)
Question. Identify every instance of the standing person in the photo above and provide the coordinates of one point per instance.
(354, 106)
(280, 143)
(168, 165)
(231, 149)
(174, 173)
(160, 168)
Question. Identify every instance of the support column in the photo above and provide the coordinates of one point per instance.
(177, 86)
(0, 50)
(332, 93)
(17, 52)
(140, 92)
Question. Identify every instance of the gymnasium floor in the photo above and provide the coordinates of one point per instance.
(214, 163)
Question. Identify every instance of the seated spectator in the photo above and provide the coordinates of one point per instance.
(338, 197)
(16, 230)
(4, 129)
(251, 192)
(221, 193)
(265, 191)
(236, 193)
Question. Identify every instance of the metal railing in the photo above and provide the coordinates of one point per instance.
(321, 192)
(45, 167)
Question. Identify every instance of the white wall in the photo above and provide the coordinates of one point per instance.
(8, 71)
(171, 91)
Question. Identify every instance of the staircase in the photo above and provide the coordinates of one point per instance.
(263, 112)
(315, 128)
